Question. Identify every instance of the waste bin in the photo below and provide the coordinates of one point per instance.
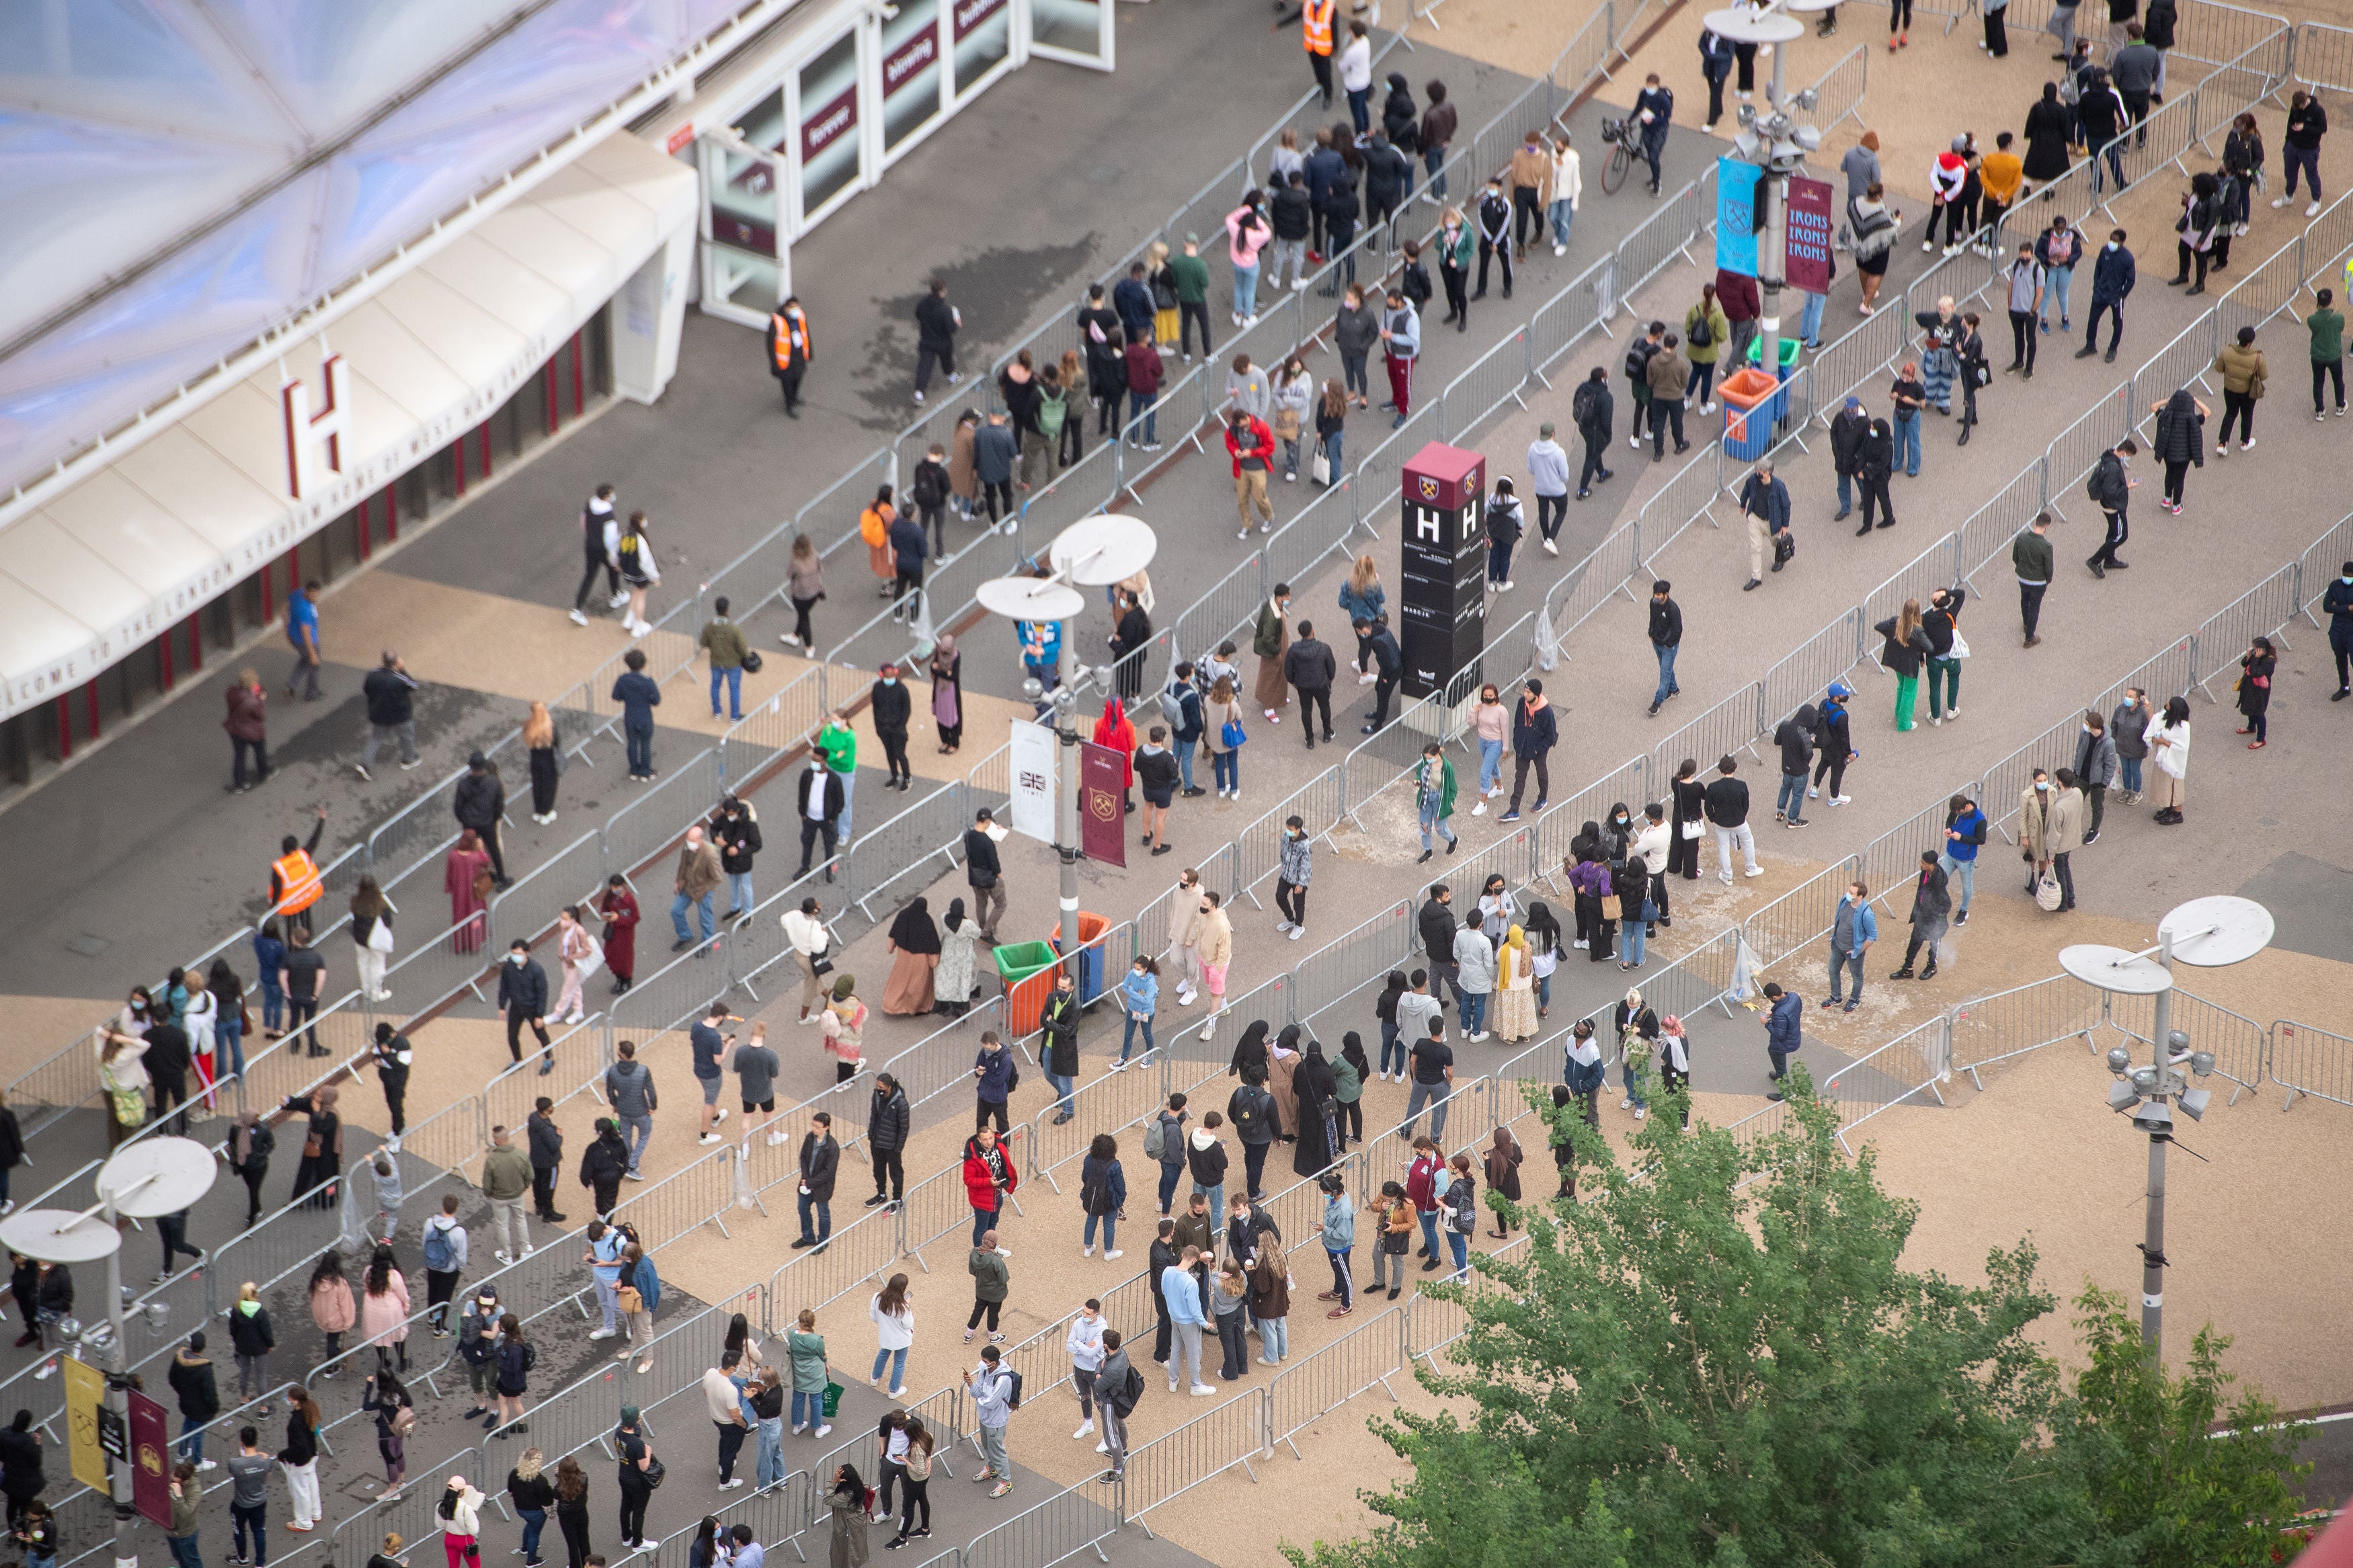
(1026, 968)
(1090, 957)
(1788, 367)
(1751, 400)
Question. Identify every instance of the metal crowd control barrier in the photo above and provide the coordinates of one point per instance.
(1915, 1062)
(1227, 1437)
(1990, 1029)
(1318, 1383)
(1076, 1520)
(2308, 1060)
(2265, 609)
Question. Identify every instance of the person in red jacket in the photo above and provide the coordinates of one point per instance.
(1144, 371)
(1737, 292)
(1421, 1191)
(1251, 445)
(990, 1174)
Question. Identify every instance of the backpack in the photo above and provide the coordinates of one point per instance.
(1013, 1397)
(931, 484)
(1172, 708)
(1581, 409)
(440, 1256)
(1049, 415)
(1638, 359)
(1700, 335)
(1155, 1139)
(403, 1421)
(1126, 1398)
(2091, 485)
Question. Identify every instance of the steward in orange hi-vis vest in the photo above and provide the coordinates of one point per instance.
(790, 351)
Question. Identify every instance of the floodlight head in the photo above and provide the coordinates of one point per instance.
(2201, 1062)
(1809, 138)
(1032, 687)
(2193, 1103)
(2154, 1115)
(2144, 1080)
(1746, 115)
(69, 1328)
(1809, 97)
(159, 1314)
(1102, 676)
(2177, 1042)
(2119, 1061)
(2122, 1096)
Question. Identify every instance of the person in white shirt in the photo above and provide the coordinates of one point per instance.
(1356, 74)
(1567, 186)
(1185, 934)
(1086, 1347)
(805, 934)
(1652, 847)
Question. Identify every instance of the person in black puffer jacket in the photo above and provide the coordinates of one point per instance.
(603, 1164)
(477, 803)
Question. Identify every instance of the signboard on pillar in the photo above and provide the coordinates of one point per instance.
(1809, 224)
(1737, 182)
(151, 1462)
(1031, 763)
(1443, 575)
(85, 1388)
(1103, 810)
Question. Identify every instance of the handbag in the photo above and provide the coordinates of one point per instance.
(1784, 547)
(1319, 467)
(654, 1472)
(820, 966)
(379, 937)
(1693, 828)
(1610, 907)
(1231, 735)
(629, 1300)
(752, 661)
(2046, 891)
(1960, 648)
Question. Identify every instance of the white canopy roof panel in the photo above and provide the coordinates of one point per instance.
(181, 176)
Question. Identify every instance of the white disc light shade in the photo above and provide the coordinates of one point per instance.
(1754, 26)
(2114, 969)
(60, 1236)
(156, 1176)
(2211, 932)
(1096, 552)
(1031, 599)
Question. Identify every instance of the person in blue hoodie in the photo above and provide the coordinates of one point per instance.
(993, 1071)
(1964, 834)
(1785, 1020)
(1853, 930)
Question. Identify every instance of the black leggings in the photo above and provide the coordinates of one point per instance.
(575, 1539)
(802, 632)
(919, 1495)
(990, 1309)
(2175, 472)
(2240, 407)
(1830, 765)
(2324, 370)
(1899, 15)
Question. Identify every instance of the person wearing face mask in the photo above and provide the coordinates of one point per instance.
(2113, 488)
(1491, 722)
(838, 744)
(2338, 602)
(1534, 731)
(1853, 930)
(2039, 828)
(1964, 834)
(892, 707)
(522, 997)
(2096, 770)
(1291, 881)
(1932, 901)
(1216, 946)
(2112, 277)
(2129, 724)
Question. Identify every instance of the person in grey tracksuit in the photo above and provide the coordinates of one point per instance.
(630, 1090)
(2095, 769)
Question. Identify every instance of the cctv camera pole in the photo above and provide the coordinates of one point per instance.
(1773, 254)
(1066, 810)
(2152, 1247)
(118, 1407)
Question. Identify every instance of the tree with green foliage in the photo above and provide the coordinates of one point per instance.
(1717, 1358)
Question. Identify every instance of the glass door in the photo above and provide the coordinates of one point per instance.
(982, 42)
(825, 114)
(914, 76)
(1077, 32)
(745, 273)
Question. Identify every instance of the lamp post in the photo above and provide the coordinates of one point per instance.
(1775, 141)
(154, 1177)
(1095, 552)
(2208, 933)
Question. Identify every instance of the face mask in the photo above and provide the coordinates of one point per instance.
(2087, 729)
(890, 680)
(517, 957)
(1204, 909)
(2111, 245)
(2040, 784)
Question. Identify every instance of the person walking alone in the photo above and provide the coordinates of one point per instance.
(2030, 559)
(2113, 488)
(2243, 372)
(1932, 902)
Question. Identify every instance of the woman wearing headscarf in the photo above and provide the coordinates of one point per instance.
(1636, 1027)
(1544, 951)
(1564, 1149)
(1515, 1004)
(1349, 1076)
(323, 1147)
(1282, 1082)
(466, 877)
(1504, 1157)
(947, 693)
(1319, 1130)
(952, 980)
(914, 946)
(1249, 1052)
(1674, 1061)
(1113, 729)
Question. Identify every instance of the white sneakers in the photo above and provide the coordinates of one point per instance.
(1114, 1255)
(775, 1138)
(616, 600)
(1086, 1251)
(1550, 548)
(1298, 932)
(578, 619)
(1560, 251)
(1282, 925)
(1366, 678)
(1086, 1429)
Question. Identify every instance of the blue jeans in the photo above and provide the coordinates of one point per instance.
(1127, 1035)
(1226, 769)
(1626, 1075)
(2055, 282)
(1332, 454)
(738, 891)
(1430, 819)
(1791, 800)
(1140, 407)
(897, 1361)
(1245, 292)
(637, 1131)
(1499, 567)
(1907, 442)
(1109, 1222)
(1563, 216)
(534, 1519)
(735, 678)
(1063, 1086)
(1845, 493)
(2129, 766)
(822, 1209)
(1667, 687)
(2307, 159)
(679, 904)
(273, 1003)
(1491, 767)
(241, 1520)
(1433, 161)
(192, 1440)
(1845, 963)
(1633, 932)
(808, 1409)
(1184, 762)
(1391, 1045)
(1474, 1009)
(230, 1033)
(768, 1467)
(983, 1222)
(640, 745)
(1810, 322)
(1435, 1096)
(183, 1551)
(1963, 871)
(1216, 1196)
(1458, 1244)
(1428, 1219)
(1544, 994)
(1169, 1176)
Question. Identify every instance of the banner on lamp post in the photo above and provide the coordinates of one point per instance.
(1103, 810)
(85, 1390)
(1031, 763)
(151, 1460)
(1736, 214)
(1809, 225)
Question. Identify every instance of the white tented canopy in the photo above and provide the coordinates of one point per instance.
(181, 176)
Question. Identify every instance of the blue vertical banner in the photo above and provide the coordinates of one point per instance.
(1736, 214)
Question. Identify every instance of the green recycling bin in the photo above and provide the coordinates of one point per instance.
(1027, 969)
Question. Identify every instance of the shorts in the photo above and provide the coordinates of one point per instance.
(709, 1089)
(1161, 798)
(765, 1107)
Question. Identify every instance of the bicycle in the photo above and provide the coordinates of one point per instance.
(1622, 138)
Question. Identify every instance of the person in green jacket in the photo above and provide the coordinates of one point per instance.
(186, 1493)
(805, 1346)
(1703, 345)
(1433, 797)
(2030, 555)
(1350, 1069)
(1269, 639)
(723, 640)
(838, 744)
(992, 1281)
(1192, 276)
(2327, 328)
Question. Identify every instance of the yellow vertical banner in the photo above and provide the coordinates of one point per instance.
(85, 1396)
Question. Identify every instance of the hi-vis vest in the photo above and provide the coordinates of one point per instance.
(1315, 21)
(298, 882)
(791, 336)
